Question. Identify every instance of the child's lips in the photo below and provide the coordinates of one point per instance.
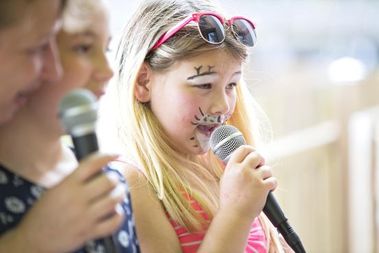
(23, 96)
(207, 129)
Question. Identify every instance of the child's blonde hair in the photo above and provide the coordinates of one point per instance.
(173, 176)
(76, 13)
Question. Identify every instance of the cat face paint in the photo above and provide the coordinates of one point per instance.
(193, 97)
(199, 73)
(206, 119)
(206, 124)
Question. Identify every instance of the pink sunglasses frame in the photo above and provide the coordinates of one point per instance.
(196, 17)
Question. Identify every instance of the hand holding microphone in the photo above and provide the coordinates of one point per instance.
(246, 180)
(77, 209)
(70, 213)
(78, 112)
(228, 144)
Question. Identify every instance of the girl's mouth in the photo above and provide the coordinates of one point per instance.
(207, 129)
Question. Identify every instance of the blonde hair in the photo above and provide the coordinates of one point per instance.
(76, 13)
(173, 176)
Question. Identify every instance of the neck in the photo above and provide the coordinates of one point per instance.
(34, 151)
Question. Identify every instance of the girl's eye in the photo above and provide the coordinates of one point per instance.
(83, 48)
(204, 86)
(231, 85)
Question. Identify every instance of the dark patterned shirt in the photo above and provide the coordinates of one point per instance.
(17, 196)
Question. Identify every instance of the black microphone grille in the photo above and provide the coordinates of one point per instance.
(78, 112)
(224, 140)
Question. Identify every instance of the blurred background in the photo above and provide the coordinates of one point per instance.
(315, 72)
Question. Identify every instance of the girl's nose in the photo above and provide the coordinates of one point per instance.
(103, 71)
(220, 104)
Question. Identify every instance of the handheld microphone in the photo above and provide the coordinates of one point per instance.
(224, 141)
(78, 113)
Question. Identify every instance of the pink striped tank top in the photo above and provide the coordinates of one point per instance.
(190, 242)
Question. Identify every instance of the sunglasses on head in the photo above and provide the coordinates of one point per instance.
(211, 29)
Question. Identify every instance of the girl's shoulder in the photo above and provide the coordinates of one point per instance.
(138, 183)
(154, 229)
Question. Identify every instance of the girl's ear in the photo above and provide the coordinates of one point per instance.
(143, 85)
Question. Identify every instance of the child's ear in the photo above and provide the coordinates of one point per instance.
(143, 85)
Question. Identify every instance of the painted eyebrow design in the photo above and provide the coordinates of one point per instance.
(198, 71)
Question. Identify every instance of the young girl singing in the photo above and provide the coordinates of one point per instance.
(180, 76)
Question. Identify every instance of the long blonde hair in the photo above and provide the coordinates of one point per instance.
(173, 176)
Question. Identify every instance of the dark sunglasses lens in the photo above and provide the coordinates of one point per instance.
(245, 32)
(211, 29)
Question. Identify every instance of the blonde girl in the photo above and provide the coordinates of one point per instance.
(180, 77)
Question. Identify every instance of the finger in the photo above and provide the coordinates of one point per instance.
(105, 206)
(93, 165)
(101, 185)
(265, 172)
(271, 183)
(108, 226)
(240, 153)
(253, 160)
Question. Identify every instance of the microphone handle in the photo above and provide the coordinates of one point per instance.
(83, 146)
(280, 221)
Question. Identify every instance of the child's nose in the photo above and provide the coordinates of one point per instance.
(220, 104)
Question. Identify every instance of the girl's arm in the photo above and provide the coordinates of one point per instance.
(154, 231)
(244, 187)
(243, 191)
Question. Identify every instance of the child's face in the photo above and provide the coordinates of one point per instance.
(28, 55)
(83, 55)
(194, 96)
(84, 62)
